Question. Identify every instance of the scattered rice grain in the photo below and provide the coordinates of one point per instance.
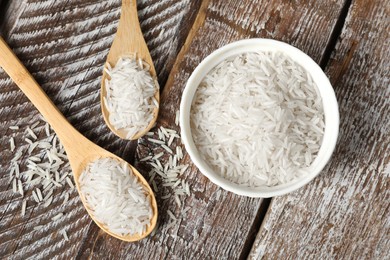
(58, 216)
(12, 144)
(24, 205)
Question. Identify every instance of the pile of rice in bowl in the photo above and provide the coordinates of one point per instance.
(257, 119)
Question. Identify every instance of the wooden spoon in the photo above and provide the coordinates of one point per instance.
(79, 149)
(128, 41)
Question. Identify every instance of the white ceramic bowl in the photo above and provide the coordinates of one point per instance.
(329, 103)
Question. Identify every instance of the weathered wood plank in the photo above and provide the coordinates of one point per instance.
(344, 213)
(64, 45)
(57, 42)
(218, 223)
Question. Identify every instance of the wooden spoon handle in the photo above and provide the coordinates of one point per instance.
(25, 81)
(129, 38)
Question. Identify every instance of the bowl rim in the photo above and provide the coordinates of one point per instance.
(331, 114)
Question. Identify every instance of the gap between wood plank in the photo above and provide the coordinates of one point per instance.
(250, 240)
(264, 207)
(3, 7)
(335, 35)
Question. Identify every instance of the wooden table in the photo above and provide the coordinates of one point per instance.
(342, 214)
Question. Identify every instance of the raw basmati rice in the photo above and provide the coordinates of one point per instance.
(177, 116)
(48, 201)
(70, 183)
(35, 196)
(58, 216)
(157, 156)
(65, 235)
(154, 185)
(156, 141)
(31, 133)
(170, 214)
(32, 147)
(253, 117)
(129, 97)
(47, 130)
(115, 197)
(34, 125)
(39, 194)
(66, 198)
(146, 158)
(48, 195)
(16, 169)
(17, 156)
(20, 188)
(43, 159)
(37, 228)
(168, 168)
(24, 205)
(11, 172)
(169, 150)
(12, 144)
(166, 196)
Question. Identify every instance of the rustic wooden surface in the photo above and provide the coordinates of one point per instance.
(342, 214)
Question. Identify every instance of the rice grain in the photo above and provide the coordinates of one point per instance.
(255, 133)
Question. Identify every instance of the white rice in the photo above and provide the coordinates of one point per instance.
(66, 198)
(48, 201)
(177, 116)
(166, 165)
(47, 129)
(24, 205)
(48, 195)
(154, 185)
(32, 147)
(17, 156)
(64, 234)
(70, 183)
(17, 170)
(170, 214)
(11, 172)
(39, 227)
(34, 125)
(169, 150)
(12, 144)
(35, 196)
(170, 140)
(39, 194)
(166, 196)
(156, 141)
(31, 133)
(146, 158)
(253, 117)
(157, 156)
(58, 216)
(20, 188)
(115, 196)
(129, 96)
(14, 188)
(44, 161)
(177, 199)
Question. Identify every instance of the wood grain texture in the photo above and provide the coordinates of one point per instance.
(64, 44)
(218, 222)
(344, 213)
